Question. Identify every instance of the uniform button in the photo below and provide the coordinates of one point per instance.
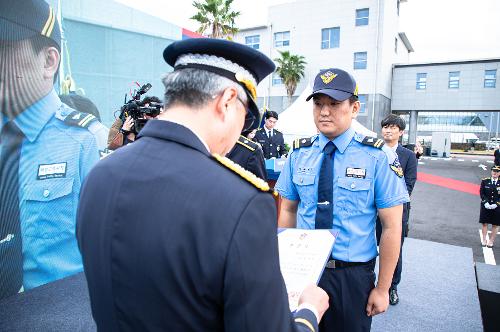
(46, 193)
(353, 186)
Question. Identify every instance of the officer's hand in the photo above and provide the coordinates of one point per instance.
(315, 296)
(378, 301)
(127, 125)
(487, 205)
(493, 206)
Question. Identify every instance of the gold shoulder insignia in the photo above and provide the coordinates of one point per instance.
(373, 141)
(303, 142)
(249, 176)
(485, 178)
(247, 143)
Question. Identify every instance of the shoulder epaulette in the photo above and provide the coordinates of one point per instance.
(78, 119)
(250, 145)
(248, 176)
(303, 142)
(485, 178)
(373, 141)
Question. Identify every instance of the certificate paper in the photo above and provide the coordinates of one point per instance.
(303, 256)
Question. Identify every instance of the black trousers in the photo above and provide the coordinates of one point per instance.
(348, 289)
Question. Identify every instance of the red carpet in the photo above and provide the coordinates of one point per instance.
(465, 187)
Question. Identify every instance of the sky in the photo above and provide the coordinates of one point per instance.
(439, 30)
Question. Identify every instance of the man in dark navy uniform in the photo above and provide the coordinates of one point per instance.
(270, 139)
(249, 155)
(175, 237)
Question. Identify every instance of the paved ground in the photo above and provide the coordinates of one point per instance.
(447, 215)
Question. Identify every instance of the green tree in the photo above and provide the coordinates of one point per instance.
(291, 69)
(216, 18)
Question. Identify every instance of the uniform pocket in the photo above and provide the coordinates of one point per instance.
(305, 187)
(353, 192)
(49, 207)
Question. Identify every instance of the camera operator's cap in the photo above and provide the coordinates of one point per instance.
(335, 83)
(495, 168)
(237, 62)
(23, 19)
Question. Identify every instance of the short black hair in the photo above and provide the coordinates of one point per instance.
(271, 114)
(393, 119)
(151, 99)
(81, 104)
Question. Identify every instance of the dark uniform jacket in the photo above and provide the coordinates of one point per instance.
(490, 193)
(272, 147)
(249, 155)
(172, 240)
(497, 157)
(408, 162)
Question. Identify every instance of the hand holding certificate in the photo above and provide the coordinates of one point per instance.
(303, 256)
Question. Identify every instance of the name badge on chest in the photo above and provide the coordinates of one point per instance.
(352, 172)
(51, 171)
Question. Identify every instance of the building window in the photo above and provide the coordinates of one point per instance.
(490, 78)
(330, 38)
(277, 79)
(454, 80)
(362, 16)
(282, 39)
(360, 60)
(253, 41)
(396, 45)
(421, 81)
(362, 101)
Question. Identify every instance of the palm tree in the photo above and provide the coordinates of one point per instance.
(216, 18)
(291, 69)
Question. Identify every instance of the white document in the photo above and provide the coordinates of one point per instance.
(303, 256)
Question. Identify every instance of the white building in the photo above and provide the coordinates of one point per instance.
(361, 37)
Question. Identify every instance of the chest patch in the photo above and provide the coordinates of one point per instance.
(352, 172)
(51, 171)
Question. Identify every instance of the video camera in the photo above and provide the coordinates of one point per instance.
(137, 109)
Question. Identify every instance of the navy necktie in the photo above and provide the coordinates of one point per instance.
(11, 256)
(324, 209)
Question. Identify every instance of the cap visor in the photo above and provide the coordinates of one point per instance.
(334, 94)
(13, 32)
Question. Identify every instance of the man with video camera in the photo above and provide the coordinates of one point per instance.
(131, 120)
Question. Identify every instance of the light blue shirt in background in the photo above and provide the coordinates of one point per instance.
(356, 199)
(54, 160)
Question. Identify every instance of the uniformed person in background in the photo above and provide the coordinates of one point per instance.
(490, 202)
(270, 139)
(46, 150)
(174, 236)
(249, 155)
(393, 127)
(339, 180)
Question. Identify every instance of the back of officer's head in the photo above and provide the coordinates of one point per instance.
(195, 88)
(393, 120)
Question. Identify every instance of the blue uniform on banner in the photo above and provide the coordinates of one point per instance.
(364, 180)
(55, 157)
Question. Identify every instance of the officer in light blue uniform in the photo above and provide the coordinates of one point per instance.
(46, 150)
(366, 179)
(55, 158)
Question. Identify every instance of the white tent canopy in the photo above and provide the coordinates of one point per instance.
(297, 120)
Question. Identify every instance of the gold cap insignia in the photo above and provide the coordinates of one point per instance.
(240, 77)
(328, 77)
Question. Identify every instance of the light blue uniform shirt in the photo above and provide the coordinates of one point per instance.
(54, 160)
(363, 181)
